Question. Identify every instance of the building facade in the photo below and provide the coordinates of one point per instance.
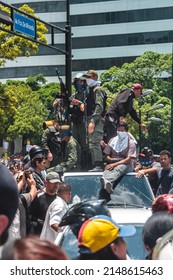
(104, 34)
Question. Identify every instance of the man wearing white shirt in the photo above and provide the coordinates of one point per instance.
(55, 212)
(120, 154)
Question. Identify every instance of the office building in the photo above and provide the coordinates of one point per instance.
(105, 33)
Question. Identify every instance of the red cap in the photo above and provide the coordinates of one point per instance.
(137, 86)
(163, 202)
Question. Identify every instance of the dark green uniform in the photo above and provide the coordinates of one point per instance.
(50, 142)
(71, 161)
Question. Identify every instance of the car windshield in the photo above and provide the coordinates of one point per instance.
(135, 247)
(129, 192)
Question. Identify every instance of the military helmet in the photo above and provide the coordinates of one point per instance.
(82, 211)
(147, 152)
(35, 150)
(79, 76)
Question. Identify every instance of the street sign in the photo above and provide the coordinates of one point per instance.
(24, 25)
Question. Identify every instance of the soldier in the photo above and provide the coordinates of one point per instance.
(96, 103)
(71, 160)
(51, 143)
(78, 112)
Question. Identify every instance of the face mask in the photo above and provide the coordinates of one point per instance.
(91, 83)
(122, 134)
(79, 86)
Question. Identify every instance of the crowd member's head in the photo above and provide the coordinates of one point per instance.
(155, 227)
(164, 247)
(78, 213)
(38, 162)
(101, 238)
(64, 191)
(52, 182)
(137, 89)
(35, 150)
(165, 159)
(163, 202)
(8, 201)
(33, 248)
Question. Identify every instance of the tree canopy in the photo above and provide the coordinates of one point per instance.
(154, 71)
(25, 105)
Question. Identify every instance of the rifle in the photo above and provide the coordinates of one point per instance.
(62, 107)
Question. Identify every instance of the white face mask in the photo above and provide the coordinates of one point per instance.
(91, 83)
(122, 134)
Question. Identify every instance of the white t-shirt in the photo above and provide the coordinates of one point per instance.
(54, 213)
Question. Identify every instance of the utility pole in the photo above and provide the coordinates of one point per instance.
(68, 50)
(171, 131)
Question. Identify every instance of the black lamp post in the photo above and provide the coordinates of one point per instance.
(171, 130)
(140, 103)
(68, 50)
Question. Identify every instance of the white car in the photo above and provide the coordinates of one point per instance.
(130, 204)
(123, 216)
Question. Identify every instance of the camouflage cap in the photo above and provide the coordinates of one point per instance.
(91, 73)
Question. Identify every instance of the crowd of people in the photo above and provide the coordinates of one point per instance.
(34, 200)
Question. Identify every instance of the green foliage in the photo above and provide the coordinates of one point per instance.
(154, 71)
(25, 113)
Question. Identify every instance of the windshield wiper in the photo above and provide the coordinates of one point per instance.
(126, 205)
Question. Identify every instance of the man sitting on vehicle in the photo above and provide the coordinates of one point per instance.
(146, 161)
(164, 173)
(120, 154)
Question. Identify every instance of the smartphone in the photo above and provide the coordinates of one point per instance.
(27, 174)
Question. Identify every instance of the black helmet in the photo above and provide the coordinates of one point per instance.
(26, 159)
(35, 150)
(82, 211)
(147, 152)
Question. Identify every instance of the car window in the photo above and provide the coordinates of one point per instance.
(130, 190)
(135, 246)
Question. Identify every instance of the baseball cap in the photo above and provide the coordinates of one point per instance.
(163, 202)
(137, 86)
(91, 73)
(65, 133)
(99, 231)
(8, 193)
(53, 177)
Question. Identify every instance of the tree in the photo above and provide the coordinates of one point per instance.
(12, 46)
(25, 114)
(148, 70)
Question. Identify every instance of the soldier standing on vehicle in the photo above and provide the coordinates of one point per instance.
(78, 113)
(51, 143)
(71, 159)
(96, 103)
(120, 107)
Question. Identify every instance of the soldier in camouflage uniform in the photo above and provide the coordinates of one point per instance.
(78, 112)
(52, 145)
(96, 103)
(71, 160)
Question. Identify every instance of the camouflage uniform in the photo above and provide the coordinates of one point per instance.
(78, 120)
(72, 156)
(50, 142)
(95, 109)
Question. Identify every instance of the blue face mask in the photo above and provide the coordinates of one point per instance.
(79, 86)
